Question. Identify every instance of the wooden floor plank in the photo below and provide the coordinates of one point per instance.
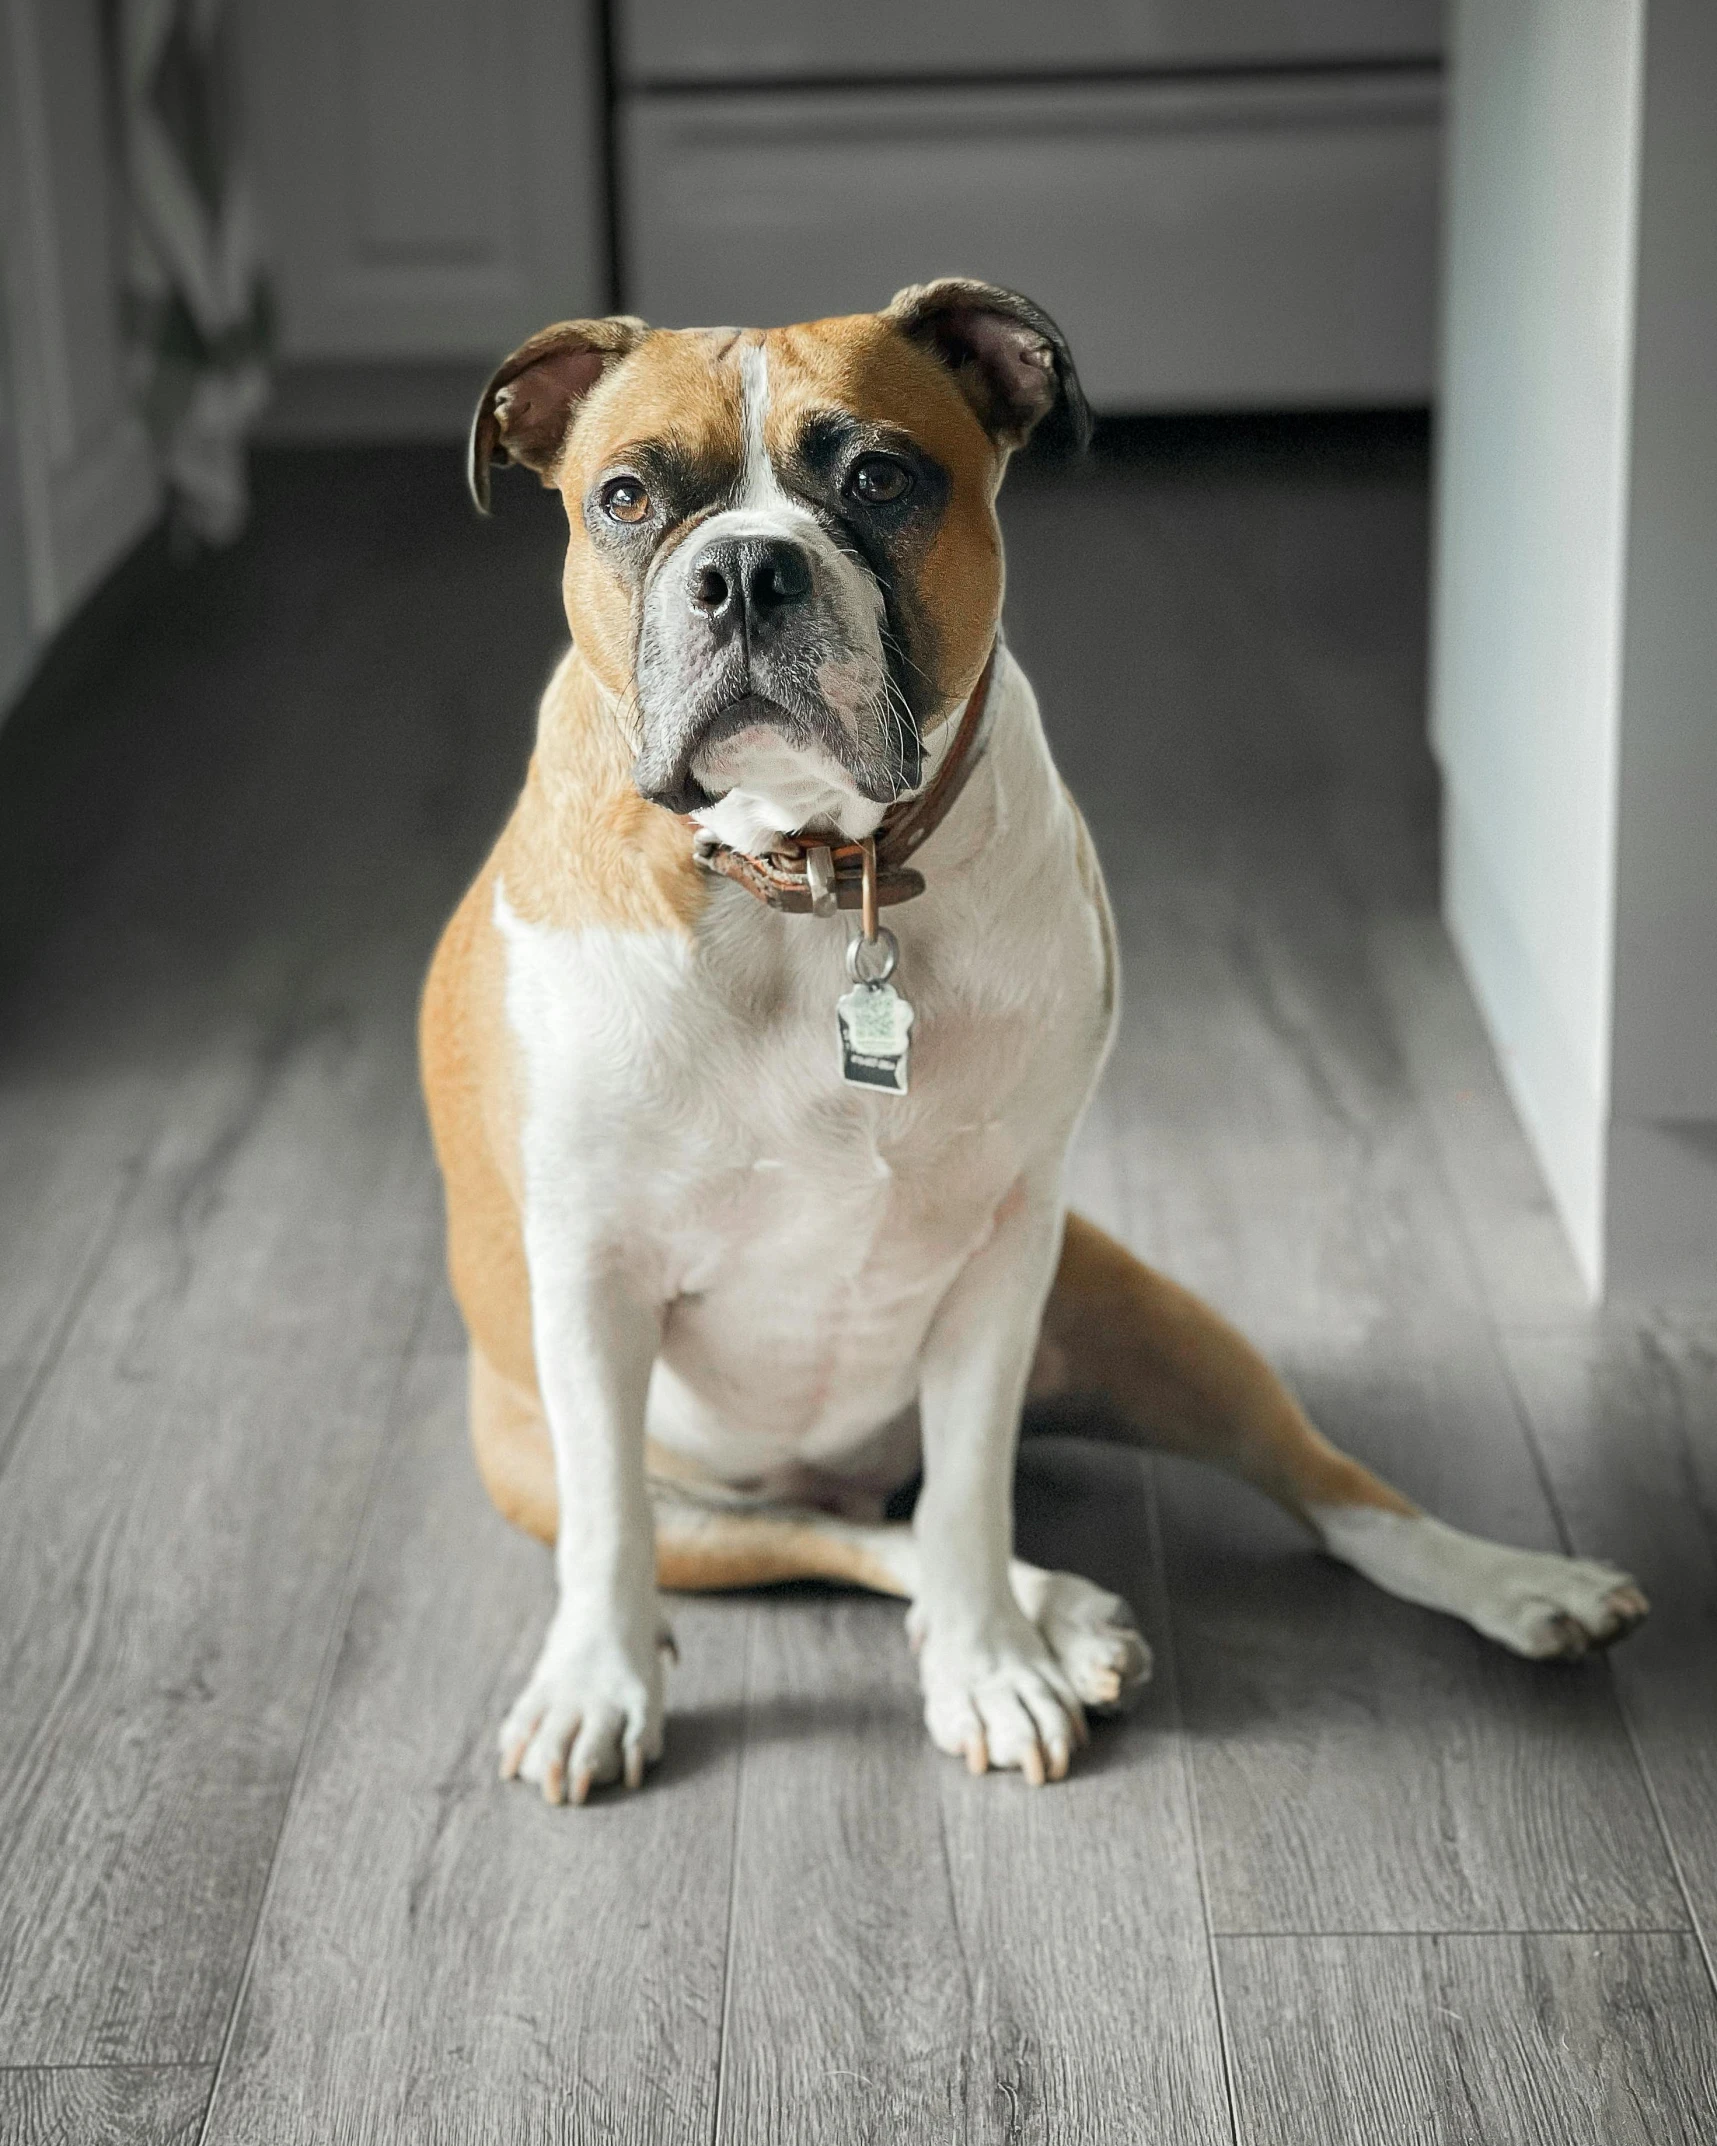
(918, 1954)
(1470, 2041)
(223, 1016)
(70, 1153)
(1623, 1407)
(1365, 1765)
(1361, 1765)
(129, 2105)
(282, 763)
(175, 1520)
(444, 1957)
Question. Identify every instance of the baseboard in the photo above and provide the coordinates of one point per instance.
(1661, 1222)
(1560, 1111)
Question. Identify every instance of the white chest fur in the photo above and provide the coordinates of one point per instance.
(686, 1120)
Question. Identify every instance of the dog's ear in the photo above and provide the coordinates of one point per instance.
(1009, 359)
(527, 408)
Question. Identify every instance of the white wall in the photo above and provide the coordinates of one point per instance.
(1575, 639)
(1663, 1132)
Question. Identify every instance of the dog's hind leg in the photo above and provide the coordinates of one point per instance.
(702, 1547)
(1148, 1364)
(709, 1548)
(510, 1439)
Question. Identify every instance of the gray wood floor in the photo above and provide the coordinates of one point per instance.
(1346, 1875)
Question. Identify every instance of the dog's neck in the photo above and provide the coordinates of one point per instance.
(636, 861)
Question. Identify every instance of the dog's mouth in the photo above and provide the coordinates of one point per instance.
(751, 711)
(710, 754)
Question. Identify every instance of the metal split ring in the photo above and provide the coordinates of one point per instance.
(884, 943)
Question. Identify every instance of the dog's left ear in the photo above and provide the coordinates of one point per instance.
(1009, 359)
(526, 411)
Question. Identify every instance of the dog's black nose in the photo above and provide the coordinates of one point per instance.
(749, 578)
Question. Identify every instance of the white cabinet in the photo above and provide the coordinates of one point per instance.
(1212, 245)
(1225, 206)
(77, 478)
(669, 42)
(430, 172)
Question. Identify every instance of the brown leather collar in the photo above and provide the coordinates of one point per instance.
(804, 875)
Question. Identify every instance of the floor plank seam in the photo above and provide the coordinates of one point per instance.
(338, 1624)
(1671, 1849)
(730, 1936)
(960, 1945)
(1297, 1937)
(122, 2064)
(100, 1251)
(1189, 1781)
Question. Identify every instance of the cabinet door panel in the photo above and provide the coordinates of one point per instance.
(84, 473)
(666, 41)
(1246, 244)
(430, 169)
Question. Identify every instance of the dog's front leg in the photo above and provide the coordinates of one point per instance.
(993, 1691)
(592, 1711)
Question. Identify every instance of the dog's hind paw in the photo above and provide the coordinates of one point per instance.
(1534, 1602)
(1563, 1612)
(1090, 1632)
(1092, 1635)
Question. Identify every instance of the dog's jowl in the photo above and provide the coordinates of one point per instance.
(742, 1248)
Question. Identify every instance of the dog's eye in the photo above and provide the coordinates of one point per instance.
(624, 499)
(879, 480)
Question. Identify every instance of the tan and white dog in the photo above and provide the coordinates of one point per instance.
(721, 1300)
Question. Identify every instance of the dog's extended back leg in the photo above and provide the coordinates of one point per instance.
(1165, 1371)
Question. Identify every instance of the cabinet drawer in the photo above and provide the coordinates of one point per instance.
(753, 41)
(1245, 244)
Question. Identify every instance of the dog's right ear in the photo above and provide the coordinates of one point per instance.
(527, 409)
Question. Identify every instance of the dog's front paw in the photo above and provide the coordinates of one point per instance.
(998, 1697)
(591, 1713)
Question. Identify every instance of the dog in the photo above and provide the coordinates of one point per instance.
(754, 1198)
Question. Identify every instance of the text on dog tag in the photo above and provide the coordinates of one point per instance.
(876, 1023)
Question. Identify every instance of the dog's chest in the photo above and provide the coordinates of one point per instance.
(694, 1093)
(685, 1109)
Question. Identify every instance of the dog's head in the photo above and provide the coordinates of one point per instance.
(784, 554)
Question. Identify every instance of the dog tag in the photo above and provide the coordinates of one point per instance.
(876, 1025)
